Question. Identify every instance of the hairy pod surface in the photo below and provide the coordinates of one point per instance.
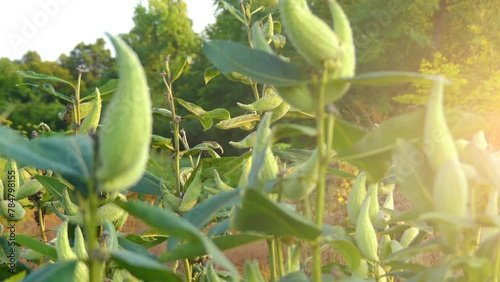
(356, 197)
(127, 125)
(13, 180)
(12, 210)
(29, 188)
(63, 249)
(80, 250)
(69, 207)
(310, 35)
(366, 237)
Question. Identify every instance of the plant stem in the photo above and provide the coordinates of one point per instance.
(279, 254)
(175, 124)
(322, 166)
(90, 206)
(272, 259)
(77, 99)
(187, 269)
(255, 91)
(41, 221)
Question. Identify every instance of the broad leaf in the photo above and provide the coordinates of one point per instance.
(61, 271)
(53, 185)
(173, 225)
(36, 76)
(210, 73)
(47, 88)
(71, 156)
(260, 66)
(190, 197)
(148, 184)
(106, 90)
(191, 250)
(36, 245)
(143, 267)
(258, 213)
(239, 121)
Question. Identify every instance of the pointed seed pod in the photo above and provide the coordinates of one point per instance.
(90, 123)
(451, 189)
(13, 178)
(366, 237)
(374, 205)
(438, 140)
(69, 207)
(310, 35)
(109, 211)
(80, 250)
(63, 249)
(408, 236)
(127, 125)
(29, 188)
(303, 179)
(356, 197)
(11, 210)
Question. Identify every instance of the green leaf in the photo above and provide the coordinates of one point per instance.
(252, 272)
(207, 146)
(413, 175)
(210, 73)
(258, 213)
(173, 225)
(36, 245)
(218, 113)
(204, 212)
(53, 185)
(260, 66)
(297, 276)
(190, 197)
(346, 134)
(266, 103)
(143, 267)
(236, 14)
(45, 88)
(238, 121)
(291, 130)
(387, 78)
(71, 156)
(191, 250)
(192, 108)
(61, 271)
(160, 142)
(106, 90)
(37, 76)
(133, 247)
(148, 184)
(484, 163)
(246, 143)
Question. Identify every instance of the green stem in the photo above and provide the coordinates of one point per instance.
(496, 270)
(272, 259)
(175, 125)
(77, 100)
(90, 206)
(41, 220)
(279, 254)
(322, 166)
(188, 270)
(255, 91)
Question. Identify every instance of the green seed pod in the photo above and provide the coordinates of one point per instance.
(63, 249)
(451, 189)
(89, 124)
(24, 176)
(12, 180)
(356, 197)
(303, 179)
(347, 61)
(109, 211)
(438, 141)
(245, 172)
(29, 188)
(80, 250)
(69, 207)
(408, 236)
(298, 96)
(374, 205)
(111, 238)
(280, 111)
(118, 224)
(310, 35)
(11, 210)
(385, 246)
(220, 184)
(169, 200)
(252, 272)
(366, 238)
(125, 137)
(81, 273)
(2, 189)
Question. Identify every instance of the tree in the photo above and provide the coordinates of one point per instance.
(97, 61)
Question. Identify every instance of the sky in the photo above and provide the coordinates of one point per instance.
(53, 27)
